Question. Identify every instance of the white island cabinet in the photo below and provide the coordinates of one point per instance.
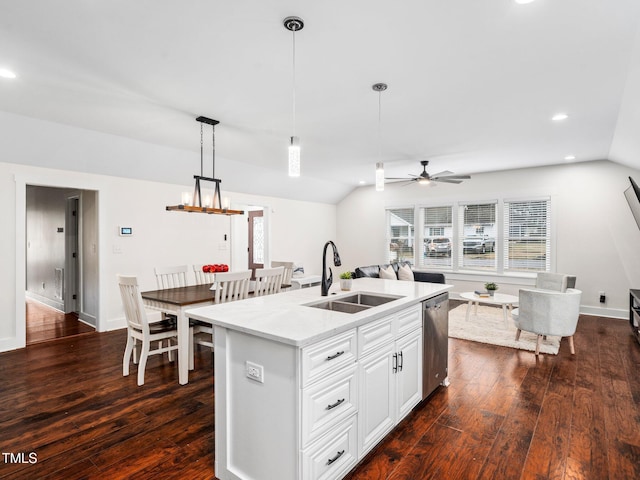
(303, 392)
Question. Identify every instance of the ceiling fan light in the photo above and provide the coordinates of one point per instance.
(424, 181)
(379, 177)
(294, 157)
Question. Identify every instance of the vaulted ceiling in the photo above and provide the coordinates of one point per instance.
(472, 84)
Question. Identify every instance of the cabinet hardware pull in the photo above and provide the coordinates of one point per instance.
(331, 357)
(331, 460)
(401, 361)
(329, 407)
(395, 362)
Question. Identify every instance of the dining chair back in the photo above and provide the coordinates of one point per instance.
(288, 271)
(171, 277)
(203, 278)
(231, 286)
(139, 330)
(268, 281)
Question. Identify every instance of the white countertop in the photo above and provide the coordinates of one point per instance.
(285, 318)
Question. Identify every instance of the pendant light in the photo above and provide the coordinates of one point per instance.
(294, 24)
(379, 87)
(213, 205)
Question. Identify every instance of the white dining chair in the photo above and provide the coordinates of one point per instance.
(151, 336)
(229, 286)
(268, 281)
(171, 277)
(288, 272)
(203, 278)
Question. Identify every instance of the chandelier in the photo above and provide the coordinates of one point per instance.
(212, 205)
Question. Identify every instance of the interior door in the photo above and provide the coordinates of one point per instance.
(256, 241)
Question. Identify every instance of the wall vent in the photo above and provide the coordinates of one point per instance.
(59, 282)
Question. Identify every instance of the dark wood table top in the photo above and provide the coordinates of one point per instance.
(181, 296)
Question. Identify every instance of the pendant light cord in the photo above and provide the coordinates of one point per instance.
(213, 155)
(380, 125)
(293, 32)
(201, 153)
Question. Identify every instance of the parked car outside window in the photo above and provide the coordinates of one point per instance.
(437, 246)
(478, 245)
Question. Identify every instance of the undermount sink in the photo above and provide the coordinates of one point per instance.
(354, 303)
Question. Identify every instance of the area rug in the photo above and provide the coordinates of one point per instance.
(488, 327)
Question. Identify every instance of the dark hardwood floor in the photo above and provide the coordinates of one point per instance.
(506, 415)
(45, 323)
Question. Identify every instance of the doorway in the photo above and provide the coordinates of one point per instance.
(54, 228)
(256, 241)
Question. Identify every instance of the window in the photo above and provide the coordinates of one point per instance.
(438, 232)
(400, 234)
(494, 236)
(477, 234)
(527, 230)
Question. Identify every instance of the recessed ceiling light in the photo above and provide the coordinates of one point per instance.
(568, 158)
(5, 73)
(524, 2)
(362, 182)
(558, 117)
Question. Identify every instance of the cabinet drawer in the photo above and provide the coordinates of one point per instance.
(373, 335)
(409, 319)
(327, 356)
(332, 456)
(327, 402)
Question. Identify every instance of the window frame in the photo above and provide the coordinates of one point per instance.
(501, 243)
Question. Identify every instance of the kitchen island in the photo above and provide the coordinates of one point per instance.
(303, 391)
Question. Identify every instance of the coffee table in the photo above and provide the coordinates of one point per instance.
(502, 299)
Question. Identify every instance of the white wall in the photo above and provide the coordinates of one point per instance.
(298, 229)
(595, 236)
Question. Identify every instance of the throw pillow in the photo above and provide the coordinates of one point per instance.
(405, 273)
(388, 273)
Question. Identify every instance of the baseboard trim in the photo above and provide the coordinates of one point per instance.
(604, 312)
(584, 309)
(46, 301)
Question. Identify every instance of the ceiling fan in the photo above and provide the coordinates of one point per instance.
(425, 179)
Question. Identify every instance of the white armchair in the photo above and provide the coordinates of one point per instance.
(555, 281)
(548, 313)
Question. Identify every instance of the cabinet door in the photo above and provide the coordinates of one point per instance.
(377, 397)
(409, 375)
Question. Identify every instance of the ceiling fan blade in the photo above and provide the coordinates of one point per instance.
(452, 177)
(440, 174)
(396, 178)
(446, 180)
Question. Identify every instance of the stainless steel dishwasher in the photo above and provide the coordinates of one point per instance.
(435, 346)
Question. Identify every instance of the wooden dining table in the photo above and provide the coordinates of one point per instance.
(176, 301)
